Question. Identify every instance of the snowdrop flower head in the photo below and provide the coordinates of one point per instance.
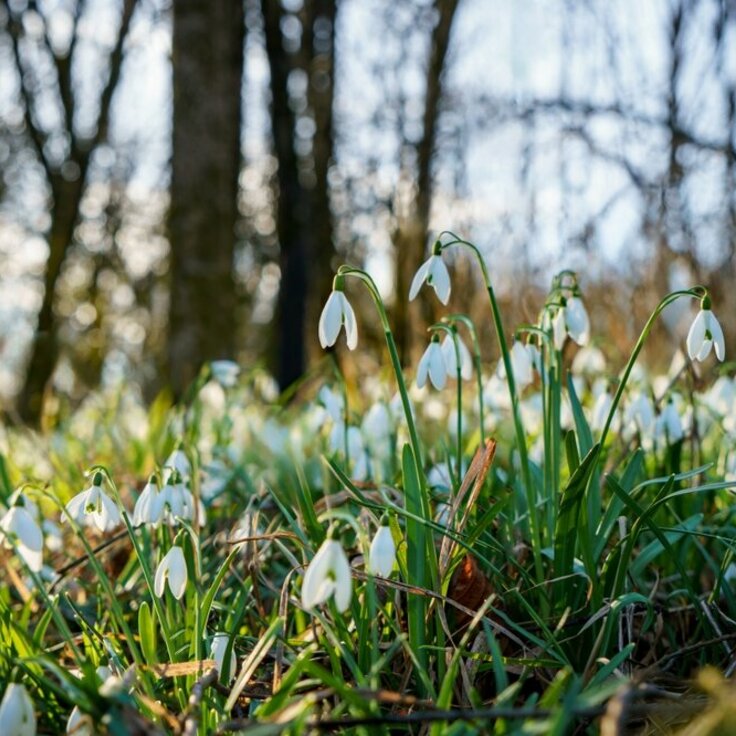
(172, 570)
(93, 507)
(336, 313)
(435, 273)
(451, 357)
(383, 551)
(179, 462)
(17, 717)
(174, 500)
(218, 649)
(589, 360)
(521, 365)
(669, 424)
(601, 408)
(705, 333)
(328, 574)
(432, 365)
(147, 502)
(639, 415)
(577, 321)
(19, 529)
(559, 328)
(225, 372)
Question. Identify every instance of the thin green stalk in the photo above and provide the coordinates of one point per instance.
(477, 366)
(513, 395)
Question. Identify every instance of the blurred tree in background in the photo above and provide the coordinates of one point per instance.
(207, 65)
(180, 180)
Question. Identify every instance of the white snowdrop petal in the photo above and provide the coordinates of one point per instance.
(419, 278)
(696, 335)
(719, 342)
(315, 574)
(423, 369)
(330, 320)
(382, 553)
(343, 580)
(440, 279)
(437, 370)
(177, 572)
(351, 324)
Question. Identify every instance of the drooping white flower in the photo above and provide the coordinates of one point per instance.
(466, 360)
(143, 513)
(559, 329)
(179, 462)
(601, 408)
(328, 574)
(20, 530)
(218, 649)
(577, 320)
(669, 424)
(225, 372)
(17, 717)
(171, 569)
(521, 365)
(589, 360)
(383, 551)
(93, 507)
(705, 333)
(639, 415)
(336, 313)
(721, 396)
(80, 724)
(435, 273)
(432, 365)
(174, 500)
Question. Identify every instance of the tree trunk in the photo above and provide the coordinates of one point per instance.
(44, 348)
(322, 16)
(208, 38)
(411, 238)
(293, 209)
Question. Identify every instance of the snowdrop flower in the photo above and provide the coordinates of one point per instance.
(80, 724)
(601, 408)
(333, 402)
(435, 273)
(225, 372)
(669, 424)
(173, 501)
(466, 360)
(147, 502)
(328, 574)
(639, 415)
(721, 396)
(559, 329)
(521, 365)
(93, 507)
(383, 551)
(432, 364)
(16, 712)
(577, 321)
(171, 569)
(19, 526)
(705, 333)
(179, 462)
(218, 649)
(589, 360)
(336, 313)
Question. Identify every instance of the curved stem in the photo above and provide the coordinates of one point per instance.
(477, 365)
(513, 395)
(697, 292)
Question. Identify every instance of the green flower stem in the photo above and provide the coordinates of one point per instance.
(477, 365)
(697, 292)
(396, 365)
(513, 394)
(452, 332)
